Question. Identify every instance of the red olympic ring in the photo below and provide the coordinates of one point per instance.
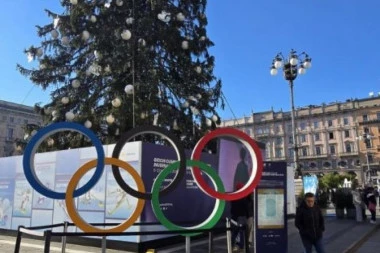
(257, 162)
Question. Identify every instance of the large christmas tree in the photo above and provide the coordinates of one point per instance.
(119, 64)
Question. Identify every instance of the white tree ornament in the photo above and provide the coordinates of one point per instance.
(180, 17)
(85, 35)
(75, 84)
(110, 119)
(214, 118)
(185, 44)
(126, 35)
(69, 116)
(65, 100)
(129, 21)
(116, 102)
(54, 34)
(93, 19)
(128, 89)
(74, 2)
(88, 124)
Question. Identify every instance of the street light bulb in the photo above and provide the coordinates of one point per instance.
(293, 61)
(273, 71)
(307, 64)
(301, 71)
(278, 64)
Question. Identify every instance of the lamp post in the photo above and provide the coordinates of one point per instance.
(291, 66)
(366, 138)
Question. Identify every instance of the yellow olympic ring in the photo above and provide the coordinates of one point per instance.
(73, 183)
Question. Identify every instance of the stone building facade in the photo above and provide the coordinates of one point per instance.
(329, 136)
(13, 118)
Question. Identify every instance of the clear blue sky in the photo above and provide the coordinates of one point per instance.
(342, 37)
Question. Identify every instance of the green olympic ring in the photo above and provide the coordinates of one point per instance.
(216, 214)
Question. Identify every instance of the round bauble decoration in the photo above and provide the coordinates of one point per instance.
(42, 66)
(74, 2)
(88, 124)
(50, 142)
(116, 102)
(75, 84)
(185, 104)
(97, 54)
(65, 41)
(47, 110)
(119, 3)
(208, 122)
(142, 42)
(107, 69)
(33, 133)
(128, 89)
(214, 118)
(126, 35)
(65, 100)
(54, 113)
(93, 19)
(199, 96)
(185, 44)
(198, 69)
(129, 21)
(69, 116)
(202, 38)
(110, 119)
(85, 35)
(180, 17)
(54, 34)
(39, 52)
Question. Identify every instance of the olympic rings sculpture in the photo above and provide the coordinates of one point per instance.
(197, 167)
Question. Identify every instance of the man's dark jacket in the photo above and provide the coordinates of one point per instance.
(310, 222)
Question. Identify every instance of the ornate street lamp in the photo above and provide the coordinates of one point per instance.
(366, 138)
(291, 66)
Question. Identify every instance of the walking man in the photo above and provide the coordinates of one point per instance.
(311, 224)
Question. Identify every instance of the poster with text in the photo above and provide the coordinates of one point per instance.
(271, 208)
(6, 202)
(46, 174)
(22, 197)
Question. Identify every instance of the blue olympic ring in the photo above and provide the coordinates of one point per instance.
(31, 148)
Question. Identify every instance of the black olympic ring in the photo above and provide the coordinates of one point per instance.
(174, 141)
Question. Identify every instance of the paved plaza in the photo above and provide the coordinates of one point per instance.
(340, 236)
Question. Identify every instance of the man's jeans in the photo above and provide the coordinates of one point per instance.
(308, 245)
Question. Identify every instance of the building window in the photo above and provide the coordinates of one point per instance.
(345, 121)
(289, 127)
(378, 115)
(11, 119)
(303, 138)
(259, 131)
(303, 125)
(330, 123)
(317, 137)
(331, 135)
(267, 150)
(304, 151)
(278, 141)
(365, 117)
(278, 152)
(277, 129)
(348, 147)
(318, 150)
(366, 130)
(290, 139)
(346, 133)
(370, 158)
(316, 124)
(332, 149)
(290, 153)
(368, 143)
(10, 133)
